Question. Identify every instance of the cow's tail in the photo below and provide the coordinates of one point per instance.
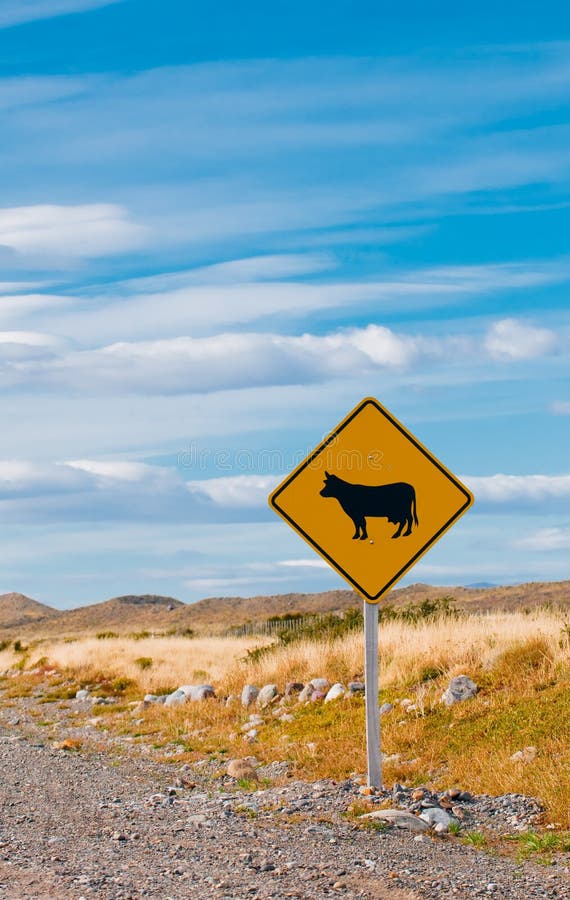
(414, 511)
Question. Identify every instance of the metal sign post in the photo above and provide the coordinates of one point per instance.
(373, 745)
(367, 477)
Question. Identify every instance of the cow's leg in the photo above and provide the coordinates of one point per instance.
(356, 534)
(408, 526)
(399, 531)
(364, 533)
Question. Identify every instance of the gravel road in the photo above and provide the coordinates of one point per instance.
(102, 825)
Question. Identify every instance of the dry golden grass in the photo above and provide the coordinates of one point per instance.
(410, 652)
(174, 660)
(521, 663)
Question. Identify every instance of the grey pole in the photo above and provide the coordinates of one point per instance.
(374, 755)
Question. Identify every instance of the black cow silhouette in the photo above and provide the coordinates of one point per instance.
(395, 502)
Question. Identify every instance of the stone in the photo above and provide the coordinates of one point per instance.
(306, 693)
(418, 794)
(317, 696)
(266, 695)
(250, 736)
(175, 698)
(460, 688)
(337, 691)
(320, 684)
(437, 818)
(197, 692)
(241, 768)
(453, 793)
(386, 708)
(356, 687)
(293, 687)
(249, 695)
(82, 694)
(197, 819)
(527, 755)
(154, 698)
(399, 818)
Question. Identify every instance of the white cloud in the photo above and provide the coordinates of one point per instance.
(303, 563)
(561, 408)
(91, 230)
(20, 306)
(507, 489)
(548, 539)
(511, 339)
(123, 471)
(234, 361)
(14, 12)
(245, 290)
(241, 491)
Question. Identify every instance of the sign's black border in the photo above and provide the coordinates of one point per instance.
(331, 437)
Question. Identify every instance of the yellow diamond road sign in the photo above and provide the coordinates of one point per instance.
(371, 499)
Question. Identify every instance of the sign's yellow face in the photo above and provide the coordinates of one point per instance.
(371, 499)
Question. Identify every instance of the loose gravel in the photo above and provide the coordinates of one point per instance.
(97, 824)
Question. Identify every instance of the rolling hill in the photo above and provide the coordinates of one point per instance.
(17, 609)
(150, 612)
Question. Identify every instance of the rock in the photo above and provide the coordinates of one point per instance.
(249, 695)
(154, 698)
(356, 687)
(197, 691)
(241, 768)
(399, 818)
(317, 696)
(306, 693)
(366, 791)
(386, 708)
(175, 698)
(293, 687)
(189, 692)
(437, 818)
(320, 684)
(453, 793)
(250, 736)
(526, 755)
(460, 688)
(337, 691)
(197, 819)
(266, 695)
(406, 702)
(82, 694)
(418, 794)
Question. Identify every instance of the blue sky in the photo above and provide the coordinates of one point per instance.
(221, 227)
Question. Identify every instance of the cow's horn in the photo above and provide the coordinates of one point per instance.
(327, 474)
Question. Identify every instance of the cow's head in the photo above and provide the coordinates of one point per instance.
(330, 487)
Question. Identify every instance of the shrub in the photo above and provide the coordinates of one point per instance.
(144, 662)
(104, 635)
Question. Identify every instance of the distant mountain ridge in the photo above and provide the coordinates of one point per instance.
(153, 612)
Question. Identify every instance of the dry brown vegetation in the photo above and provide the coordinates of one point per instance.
(520, 661)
